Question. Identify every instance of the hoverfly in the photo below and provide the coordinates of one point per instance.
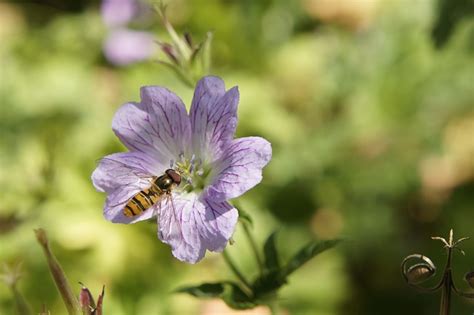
(161, 186)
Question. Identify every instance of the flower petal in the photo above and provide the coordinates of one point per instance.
(177, 227)
(190, 226)
(122, 176)
(239, 168)
(213, 116)
(158, 126)
(217, 224)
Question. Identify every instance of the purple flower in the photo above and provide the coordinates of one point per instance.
(214, 167)
(125, 46)
(118, 12)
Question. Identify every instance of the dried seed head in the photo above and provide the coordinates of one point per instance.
(419, 273)
(420, 270)
(469, 277)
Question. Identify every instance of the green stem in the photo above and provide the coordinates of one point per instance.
(235, 270)
(273, 308)
(253, 245)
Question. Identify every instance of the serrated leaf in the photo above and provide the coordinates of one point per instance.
(205, 290)
(236, 298)
(272, 261)
(307, 253)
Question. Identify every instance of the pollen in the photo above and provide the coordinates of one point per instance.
(192, 171)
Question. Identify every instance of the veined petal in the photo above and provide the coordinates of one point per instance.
(122, 176)
(191, 226)
(217, 224)
(239, 168)
(177, 227)
(157, 126)
(213, 117)
(120, 169)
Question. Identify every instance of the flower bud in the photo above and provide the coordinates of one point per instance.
(88, 305)
(170, 52)
(86, 300)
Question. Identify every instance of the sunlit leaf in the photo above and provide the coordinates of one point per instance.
(307, 252)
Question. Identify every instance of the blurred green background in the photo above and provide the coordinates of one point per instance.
(369, 106)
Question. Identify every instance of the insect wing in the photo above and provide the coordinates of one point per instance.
(168, 202)
(121, 169)
(125, 180)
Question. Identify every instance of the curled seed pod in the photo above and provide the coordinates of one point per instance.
(419, 273)
(469, 277)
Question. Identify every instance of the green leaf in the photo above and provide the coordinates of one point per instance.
(230, 292)
(266, 285)
(205, 290)
(236, 298)
(308, 252)
(272, 261)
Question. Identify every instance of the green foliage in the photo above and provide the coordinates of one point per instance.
(205, 290)
(272, 261)
(228, 291)
(264, 289)
(306, 253)
(370, 117)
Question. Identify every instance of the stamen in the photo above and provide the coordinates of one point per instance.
(171, 163)
(191, 171)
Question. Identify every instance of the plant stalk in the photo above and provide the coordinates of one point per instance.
(253, 245)
(445, 304)
(59, 276)
(236, 270)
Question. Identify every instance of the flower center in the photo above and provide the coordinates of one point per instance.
(194, 174)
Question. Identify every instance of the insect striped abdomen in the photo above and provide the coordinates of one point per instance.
(160, 186)
(142, 201)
